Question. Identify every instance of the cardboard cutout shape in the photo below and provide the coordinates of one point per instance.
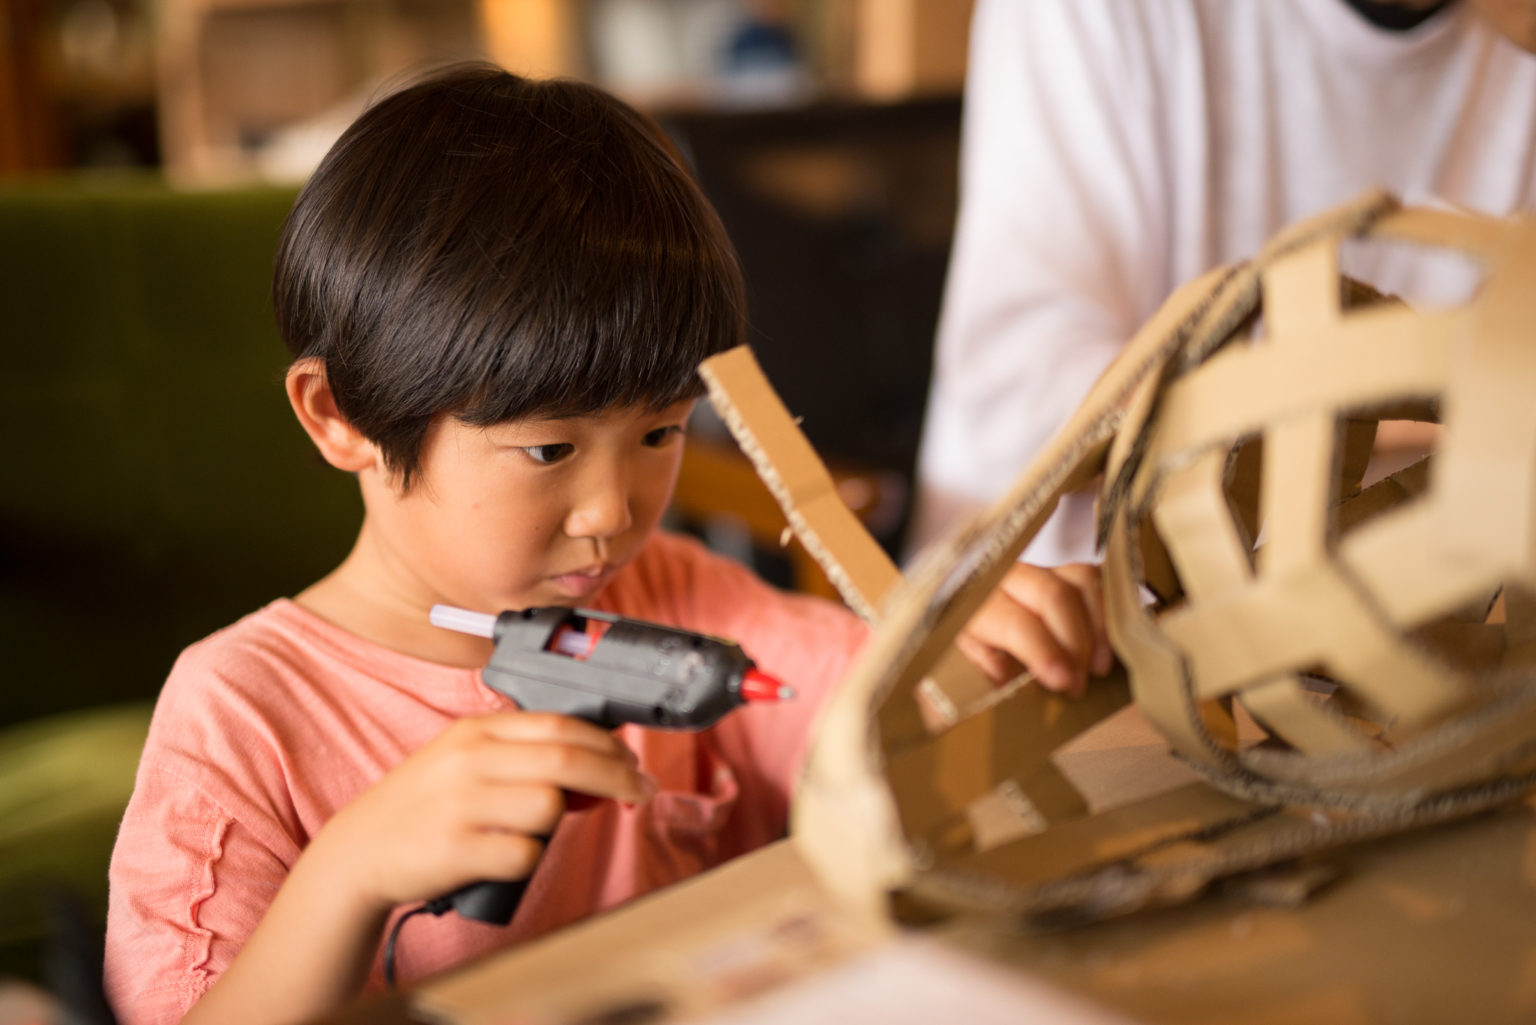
(1380, 636)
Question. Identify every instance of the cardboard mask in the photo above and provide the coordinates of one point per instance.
(1380, 636)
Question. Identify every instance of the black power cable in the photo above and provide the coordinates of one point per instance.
(437, 906)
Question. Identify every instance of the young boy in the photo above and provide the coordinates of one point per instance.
(496, 292)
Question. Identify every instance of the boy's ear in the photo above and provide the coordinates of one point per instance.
(342, 445)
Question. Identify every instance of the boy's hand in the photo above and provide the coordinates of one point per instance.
(472, 804)
(1050, 621)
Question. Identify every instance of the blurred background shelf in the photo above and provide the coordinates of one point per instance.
(149, 150)
(214, 91)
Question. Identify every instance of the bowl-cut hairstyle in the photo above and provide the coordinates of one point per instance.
(491, 247)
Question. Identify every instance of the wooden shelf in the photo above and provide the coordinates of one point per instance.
(234, 73)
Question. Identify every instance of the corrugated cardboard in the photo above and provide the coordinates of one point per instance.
(1348, 679)
(1208, 441)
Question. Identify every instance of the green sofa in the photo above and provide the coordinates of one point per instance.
(156, 488)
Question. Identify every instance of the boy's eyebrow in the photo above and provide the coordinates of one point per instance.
(535, 420)
(552, 419)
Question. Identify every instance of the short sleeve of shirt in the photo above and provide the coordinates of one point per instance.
(264, 730)
(171, 935)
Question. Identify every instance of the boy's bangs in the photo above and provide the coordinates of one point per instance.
(633, 339)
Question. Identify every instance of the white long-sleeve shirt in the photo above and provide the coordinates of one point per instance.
(1113, 149)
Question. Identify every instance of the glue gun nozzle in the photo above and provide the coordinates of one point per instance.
(759, 686)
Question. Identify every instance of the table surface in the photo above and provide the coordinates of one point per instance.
(1433, 926)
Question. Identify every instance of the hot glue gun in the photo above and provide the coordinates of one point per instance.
(608, 670)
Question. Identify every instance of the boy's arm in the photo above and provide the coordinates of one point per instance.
(189, 885)
(311, 953)
(467, 806)
(188, 881)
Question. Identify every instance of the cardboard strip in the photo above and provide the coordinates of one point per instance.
(934, 782)
(1172, 865)
(1356, 447)
(855, 563)
(1287, 624)
(1286, 708)
(1223, 432)
(1520, 615)
(959, 684)
(1004, 813)
(999, 816)
(1298, 486)
(1382, 355)
(1158, 675)
(1490, 421)
(1410, 591)
(1008, 879)
(1301, 296)
(1210, 554)
(1233, 302)
(1475, 234)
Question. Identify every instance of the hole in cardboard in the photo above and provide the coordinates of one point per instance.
(1242, 485)
(1426, 277)
(1487, 633)
(1382, 458)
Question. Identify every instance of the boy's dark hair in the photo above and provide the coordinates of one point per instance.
(492, 247)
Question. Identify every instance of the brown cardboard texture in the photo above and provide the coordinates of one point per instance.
(1310, 657)
(749, 926)
(1329, 656)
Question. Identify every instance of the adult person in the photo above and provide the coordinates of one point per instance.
(1112, 149)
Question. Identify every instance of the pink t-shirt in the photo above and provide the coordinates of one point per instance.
(265, 729)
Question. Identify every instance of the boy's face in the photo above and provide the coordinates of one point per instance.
(530, 512)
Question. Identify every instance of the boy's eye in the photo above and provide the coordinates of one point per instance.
(549, 453)
(661, 435)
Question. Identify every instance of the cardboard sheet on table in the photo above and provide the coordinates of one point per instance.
(1422, 928)
(710, 943)
(1427, 927)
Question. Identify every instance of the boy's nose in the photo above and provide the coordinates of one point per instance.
(602, 512)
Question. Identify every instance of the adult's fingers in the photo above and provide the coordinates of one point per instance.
(1008, 630)
(1089, 581)
(1063, 610)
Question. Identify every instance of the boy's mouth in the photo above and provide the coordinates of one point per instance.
(584, 582)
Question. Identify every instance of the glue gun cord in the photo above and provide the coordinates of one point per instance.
(436, 907)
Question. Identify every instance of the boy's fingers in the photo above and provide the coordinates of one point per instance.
(548, 727)
(490, 854)
(567, 767)
(531, 809)
(526, 809)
